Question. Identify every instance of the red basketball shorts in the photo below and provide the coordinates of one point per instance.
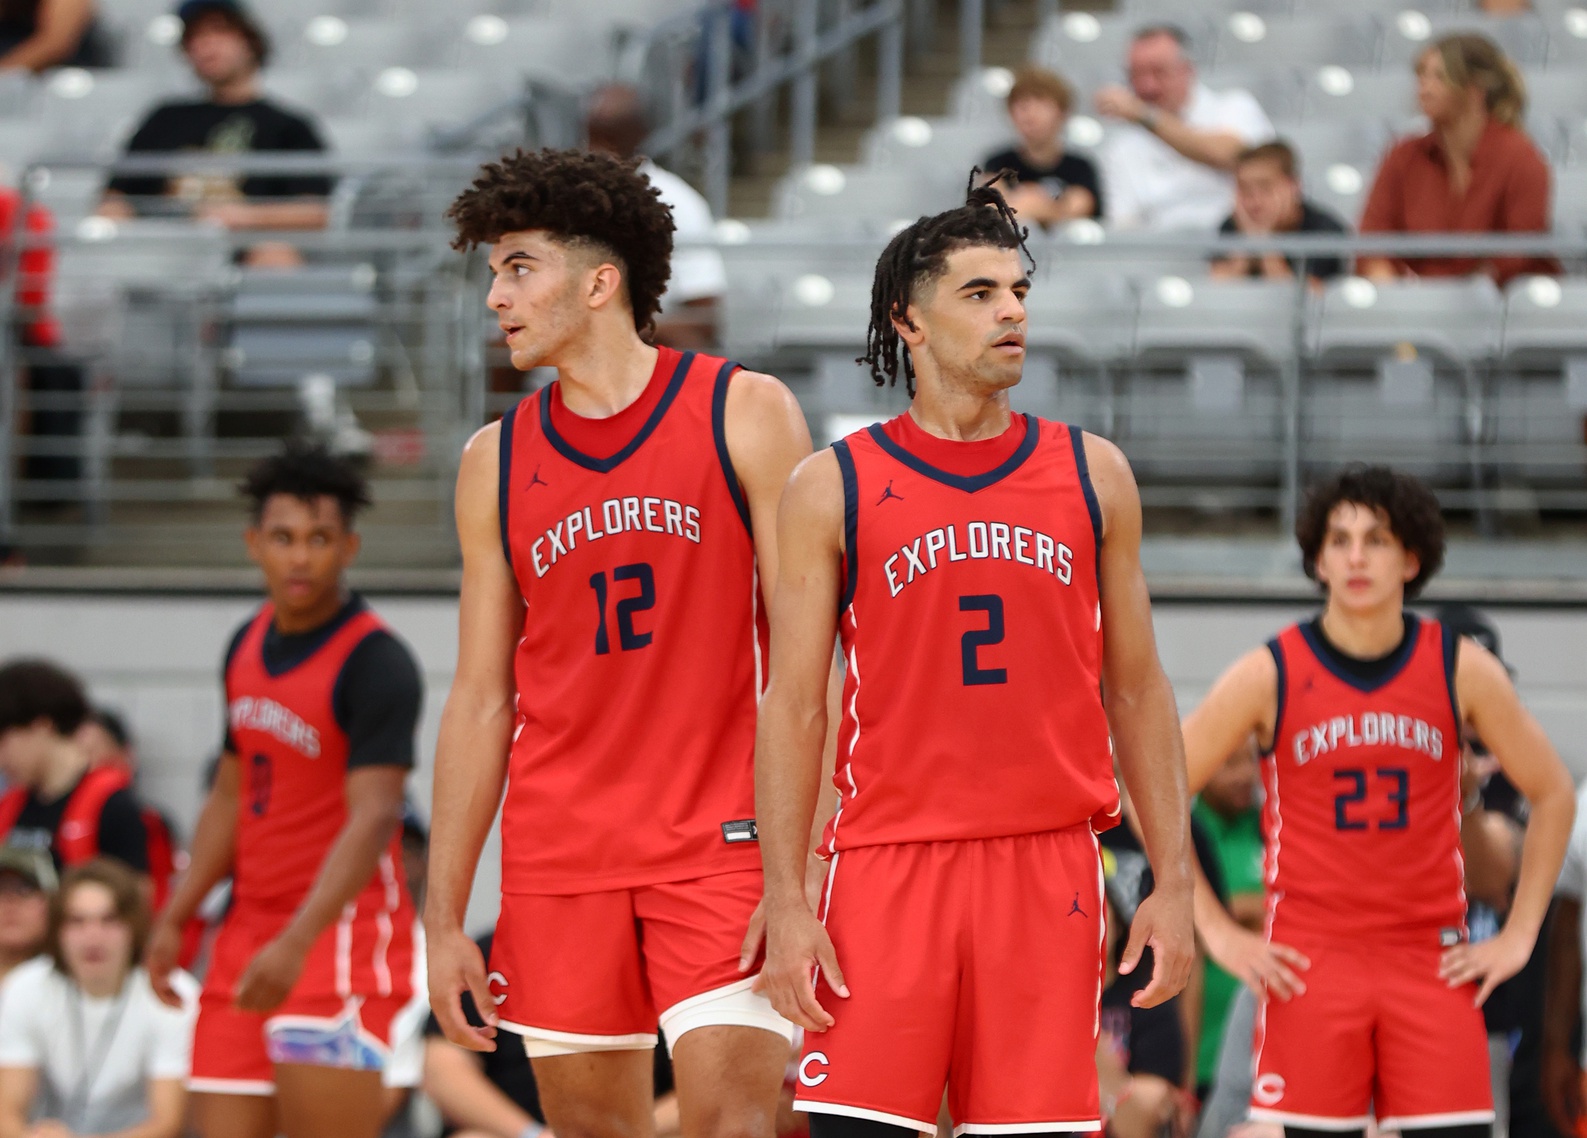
(1376, 1033)
(975, 965)
(595, 971)
(357, 978)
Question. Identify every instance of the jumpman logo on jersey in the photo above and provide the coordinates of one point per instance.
(888, 493)
(1075, 907)
(536, 480)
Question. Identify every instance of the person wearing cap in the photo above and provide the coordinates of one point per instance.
(56, 801)
(27, 881)
(226, 49)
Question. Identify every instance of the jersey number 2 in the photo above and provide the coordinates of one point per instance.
(971, 643)
(1357, 792)
(627, 638)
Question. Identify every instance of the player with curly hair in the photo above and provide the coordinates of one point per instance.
(314, 960)
(1370, 991)
(983, 570)
(618, 535)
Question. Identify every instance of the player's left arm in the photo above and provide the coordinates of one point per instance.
(1145, 726)
(1491, 707)
(383, 709)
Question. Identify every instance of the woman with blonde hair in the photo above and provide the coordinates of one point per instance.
(86, 1048)
(1475, 171)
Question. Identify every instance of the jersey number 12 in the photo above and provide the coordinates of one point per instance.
(627, 638)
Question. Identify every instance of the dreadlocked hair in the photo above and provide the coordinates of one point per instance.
(918, 255)
(594, 200)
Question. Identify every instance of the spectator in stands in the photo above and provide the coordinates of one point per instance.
(56, 802)
(109, 745)
(226, 49)
(35, 34)
(617, 124)
(1267, 201)
(27, 881)
(1476, 171)
(1170, 165)
(1053, 185)
(85, 1046)
(1227, 811)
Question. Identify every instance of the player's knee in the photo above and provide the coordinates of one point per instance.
(740, 1120)
(1153, 1097)
(597, 1123)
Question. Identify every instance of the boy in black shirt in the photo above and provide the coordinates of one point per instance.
(55, 801)
(226, 50)
(1268, 200)
(1054, 186)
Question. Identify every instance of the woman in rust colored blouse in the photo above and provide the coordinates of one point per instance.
(1476, 171)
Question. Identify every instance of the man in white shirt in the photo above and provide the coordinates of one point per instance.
(1171, 165)
(616, 123)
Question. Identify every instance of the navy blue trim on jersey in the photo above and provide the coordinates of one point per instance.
(279, 652)
(851, 522)
(606, 465)
(1451, 640)
(504, 478)
(968, 483)
(1077, 439)
(719, 430)
(1277, 649)
(1394, 663)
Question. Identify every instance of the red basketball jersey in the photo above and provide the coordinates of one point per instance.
(1362, 816)
(972, 623)
(294, 774)
(639, 667)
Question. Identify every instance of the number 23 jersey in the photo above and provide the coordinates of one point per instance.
(1362, 815)
(972, 626)
(639, 665)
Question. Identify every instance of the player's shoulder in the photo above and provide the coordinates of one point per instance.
(815, 489)
(1477, 670)
(756, 393)
(1256, 670)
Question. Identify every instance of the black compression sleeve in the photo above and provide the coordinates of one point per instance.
(122, 834)
(1303, 1132)
(1474, 1130)
(377, 702)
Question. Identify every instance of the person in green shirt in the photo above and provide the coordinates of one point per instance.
(1227, 808)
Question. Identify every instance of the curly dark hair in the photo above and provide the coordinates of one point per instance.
(918, 255)
(31, 690)
(306, 471)
(1411, 508)
(582, 198)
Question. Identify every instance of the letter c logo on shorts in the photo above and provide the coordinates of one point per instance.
(1268, 1089)
(805, 1076)
(493, 979)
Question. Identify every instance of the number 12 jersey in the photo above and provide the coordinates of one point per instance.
(972, 625)
(639, 664)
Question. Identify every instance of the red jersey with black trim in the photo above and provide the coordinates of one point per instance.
(1362, 817)
(293, 755)
(640, 663)
(971, 620)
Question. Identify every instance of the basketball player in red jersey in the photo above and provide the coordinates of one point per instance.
(983, 569)
(1360, 715)
(315, 957)
(617, 532)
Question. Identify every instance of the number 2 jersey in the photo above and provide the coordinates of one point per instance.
(1362, 817)
(971, 622)
(639, 665)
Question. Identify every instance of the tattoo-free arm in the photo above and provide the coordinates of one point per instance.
(1145, 728)
(471, 752)
(456, 1082)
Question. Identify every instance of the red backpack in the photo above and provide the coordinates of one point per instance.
(77, 836)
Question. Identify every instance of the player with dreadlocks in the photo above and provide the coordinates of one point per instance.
(617, 529)
(983, 571)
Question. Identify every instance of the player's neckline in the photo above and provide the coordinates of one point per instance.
(1393, 664)
(605, 465)
(968, 483)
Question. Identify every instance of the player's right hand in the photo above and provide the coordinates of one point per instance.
(1259, 964)
(161, 956)
(456, 965)
(796, 945)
